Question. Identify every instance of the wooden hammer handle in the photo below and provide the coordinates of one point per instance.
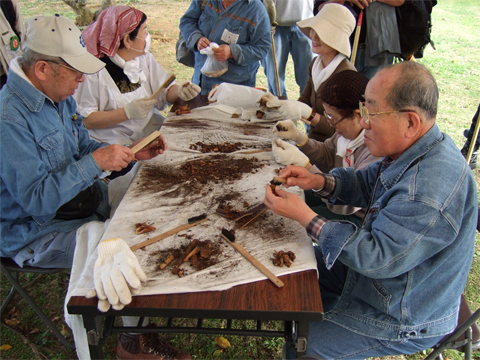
(145, 141)
(165, 235)
(163, 86)
(255, 262)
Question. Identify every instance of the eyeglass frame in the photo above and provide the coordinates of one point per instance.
(366, 115)
(67, 67)
(329, 118)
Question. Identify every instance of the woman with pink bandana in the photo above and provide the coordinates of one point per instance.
(115, 101)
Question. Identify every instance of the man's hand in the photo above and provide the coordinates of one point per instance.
(202, 43)
(286, 129)
(288, 154)
(117, 275)
(289, 205)
(153, 149)
(301, 177)
(113, 157)
(362, 4)
(223, 52)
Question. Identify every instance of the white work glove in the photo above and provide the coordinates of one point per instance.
(139, 108)
(292, 109)
(287, 129)
(288, 154)
(117, 275)
(266, 98)
(188, 90)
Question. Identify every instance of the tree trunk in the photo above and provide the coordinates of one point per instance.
(85, 16)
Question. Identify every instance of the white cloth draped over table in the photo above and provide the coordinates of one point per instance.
(261, 238)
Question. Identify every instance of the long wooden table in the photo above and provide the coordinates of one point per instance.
(297, 303)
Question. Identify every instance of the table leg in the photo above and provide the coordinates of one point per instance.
(92, 325)
(303, 329)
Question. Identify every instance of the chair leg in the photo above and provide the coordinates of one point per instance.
(9, 298)
(18, 288)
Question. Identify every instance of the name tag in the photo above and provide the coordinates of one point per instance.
(229, 37)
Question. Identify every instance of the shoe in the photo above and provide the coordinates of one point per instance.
(147, 346)
(473, 159)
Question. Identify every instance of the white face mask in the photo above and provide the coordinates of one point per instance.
(148, 41)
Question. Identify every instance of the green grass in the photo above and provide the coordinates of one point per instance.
(454, 64)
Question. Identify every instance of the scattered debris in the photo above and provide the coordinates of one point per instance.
(142, 228)
(283, 258)
(182, 109)
(222, 147)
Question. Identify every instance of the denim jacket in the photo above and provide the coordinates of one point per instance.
(248, 28)
(408, 264)
(45, 161)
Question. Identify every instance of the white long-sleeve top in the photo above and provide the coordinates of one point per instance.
(100, 93)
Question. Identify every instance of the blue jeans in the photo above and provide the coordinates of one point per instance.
(369, 71)
(54, 250)
(288, 40)
(328, 340)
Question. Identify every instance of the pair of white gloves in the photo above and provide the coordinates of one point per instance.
(140, 108)
(117, 275)
(285, 153)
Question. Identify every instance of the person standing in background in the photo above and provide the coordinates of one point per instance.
(242, 31)
(11, 26)
(289, 40)
(379, 41)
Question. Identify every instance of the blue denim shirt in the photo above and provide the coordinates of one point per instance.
(45, 161)
(247, 19)
(408, 264)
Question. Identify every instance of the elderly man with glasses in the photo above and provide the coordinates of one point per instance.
(392, 285)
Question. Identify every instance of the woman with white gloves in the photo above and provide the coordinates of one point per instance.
(115, 101)
(341, 96)
(330, 32)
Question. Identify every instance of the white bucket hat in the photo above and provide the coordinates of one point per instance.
(333, 24)
(59, 37)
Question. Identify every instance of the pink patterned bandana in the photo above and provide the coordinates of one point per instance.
(103, 36)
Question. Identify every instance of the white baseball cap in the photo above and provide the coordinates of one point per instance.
(333, 24)
(59, 37)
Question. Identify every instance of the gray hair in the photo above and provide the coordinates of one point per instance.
(30, 58)
(415, 89)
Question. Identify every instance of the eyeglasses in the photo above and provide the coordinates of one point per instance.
(80, 74)
(330, 119)
(366, 115)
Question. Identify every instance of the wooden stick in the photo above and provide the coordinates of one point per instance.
(255, 262)
(103, 142)
(306, 121)
(249, 221)
(165, 235)
(254, 151)
(146, 141)
(163, 86)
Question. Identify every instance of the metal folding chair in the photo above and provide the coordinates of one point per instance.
(12, 271)
(466, 336)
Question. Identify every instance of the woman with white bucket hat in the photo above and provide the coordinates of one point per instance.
(329, 31)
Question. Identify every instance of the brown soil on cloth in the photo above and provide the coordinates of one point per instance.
(192, 175)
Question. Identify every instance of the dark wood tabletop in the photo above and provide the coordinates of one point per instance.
(298, 300)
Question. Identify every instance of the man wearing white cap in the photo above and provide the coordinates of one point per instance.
(49, 166)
